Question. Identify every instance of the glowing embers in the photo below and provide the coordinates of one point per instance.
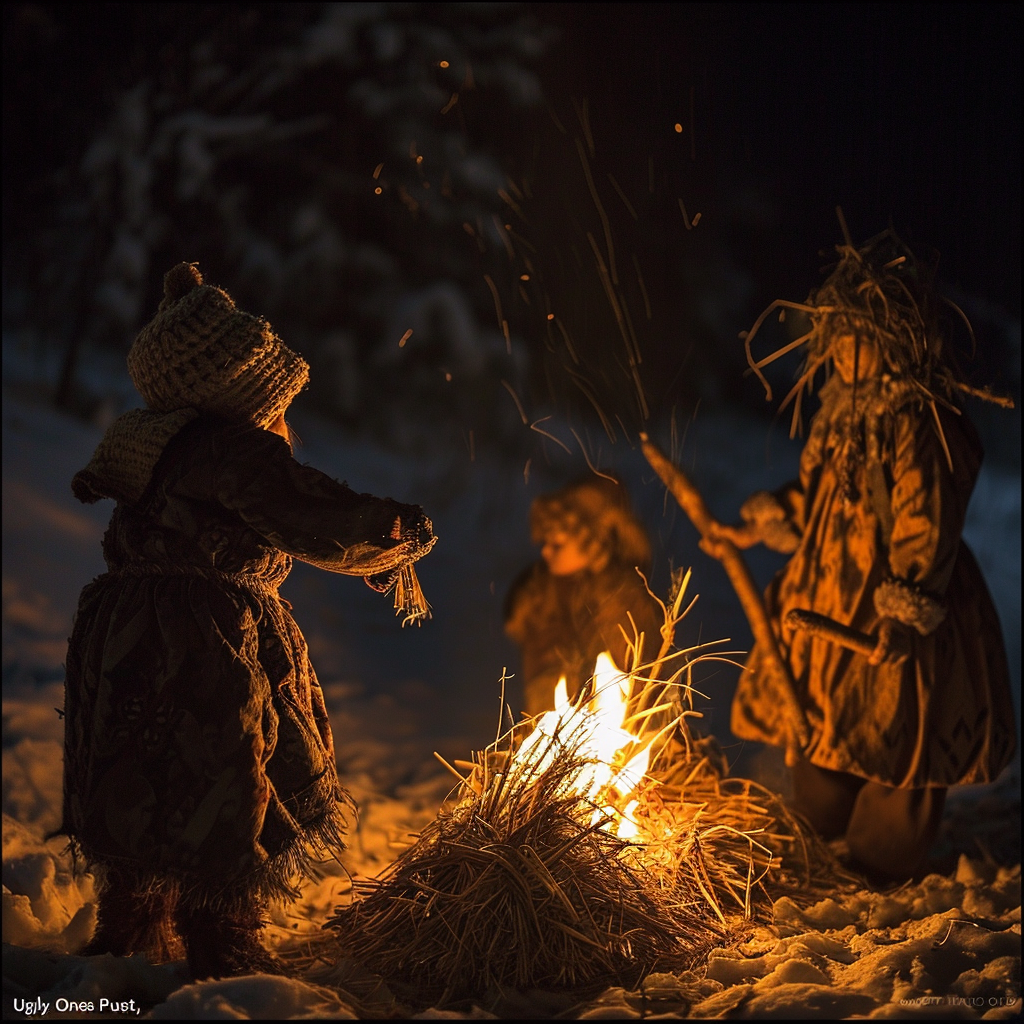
(613, 762)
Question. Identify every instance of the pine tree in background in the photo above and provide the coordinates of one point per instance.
(337, 167)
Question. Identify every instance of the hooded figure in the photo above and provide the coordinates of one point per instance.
(584, 596)
(873, 531)
(199, 772)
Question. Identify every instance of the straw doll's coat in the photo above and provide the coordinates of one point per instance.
(197, 741)
(874, 535)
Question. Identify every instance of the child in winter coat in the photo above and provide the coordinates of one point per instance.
(199, 774)
(873, 530)
(577, 600)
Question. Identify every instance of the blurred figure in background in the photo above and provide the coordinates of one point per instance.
(584, 595)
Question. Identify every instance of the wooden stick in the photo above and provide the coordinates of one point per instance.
(832, 631)
(691, 502)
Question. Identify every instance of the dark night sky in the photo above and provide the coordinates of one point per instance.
(908, 111)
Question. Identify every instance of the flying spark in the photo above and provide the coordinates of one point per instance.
(533, 426)
(515, 398)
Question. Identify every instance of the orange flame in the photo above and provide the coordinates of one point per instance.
(597, 727)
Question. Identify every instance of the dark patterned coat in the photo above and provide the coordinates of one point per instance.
(197, 744)
(874, 529)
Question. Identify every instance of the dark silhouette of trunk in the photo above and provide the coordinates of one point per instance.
(66, 382)
(88, 279)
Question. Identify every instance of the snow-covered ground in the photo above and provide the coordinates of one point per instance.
(946, 947)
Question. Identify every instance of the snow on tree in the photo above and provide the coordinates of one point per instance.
(336, 167)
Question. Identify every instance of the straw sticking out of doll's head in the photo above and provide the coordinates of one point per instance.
(880, 292)
(882, 296)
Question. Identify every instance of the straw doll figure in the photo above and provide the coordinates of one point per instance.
(199, 772)
(873, 531)
(584, 595)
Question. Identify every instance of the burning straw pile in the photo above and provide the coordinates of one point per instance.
(562, 862)
(517, 886)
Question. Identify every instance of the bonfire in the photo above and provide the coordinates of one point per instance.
(592, 845)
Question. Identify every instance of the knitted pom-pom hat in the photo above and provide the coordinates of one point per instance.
(202, 352)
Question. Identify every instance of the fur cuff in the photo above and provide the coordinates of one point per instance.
(766, 512)
(907, 603)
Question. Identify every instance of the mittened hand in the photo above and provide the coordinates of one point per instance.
(409, 527)
(413, 532)
(893, 642)
(413, 535)
(416, 528)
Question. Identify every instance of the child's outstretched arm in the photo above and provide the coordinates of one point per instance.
(306, 513)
